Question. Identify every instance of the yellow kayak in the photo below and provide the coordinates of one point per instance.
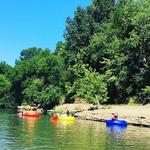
(67, 118)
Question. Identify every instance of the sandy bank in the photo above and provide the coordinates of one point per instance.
(134, 115)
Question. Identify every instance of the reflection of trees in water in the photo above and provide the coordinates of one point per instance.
(14, 123)
(20, 130)
(82, 135)
(14, 126)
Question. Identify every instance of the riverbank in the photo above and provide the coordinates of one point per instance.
(135, 115)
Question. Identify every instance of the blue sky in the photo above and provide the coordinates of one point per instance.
(33, 23)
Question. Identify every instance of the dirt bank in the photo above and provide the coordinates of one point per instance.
(135, 115)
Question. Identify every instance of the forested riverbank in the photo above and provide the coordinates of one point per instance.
(104, 59)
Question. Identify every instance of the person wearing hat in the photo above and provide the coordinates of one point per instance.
(115, 116)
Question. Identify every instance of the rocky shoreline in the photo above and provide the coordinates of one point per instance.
(137, 115)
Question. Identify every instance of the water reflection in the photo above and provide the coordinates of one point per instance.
(115, 137)
(34, 133)
(116, 131)
(30, 123)
(54, 123)
(29, 126)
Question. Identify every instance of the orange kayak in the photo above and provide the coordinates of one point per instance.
(31, 115)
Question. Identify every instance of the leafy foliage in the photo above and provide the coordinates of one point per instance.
(89, 86)
(5, 85)
(105, 58)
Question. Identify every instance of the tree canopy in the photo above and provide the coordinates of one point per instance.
(105, 58)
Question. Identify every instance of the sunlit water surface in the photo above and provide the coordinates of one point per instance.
(41, 134)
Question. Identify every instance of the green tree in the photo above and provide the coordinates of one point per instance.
(29, 53)
(88, 85)
(5, 96)
(50, 96)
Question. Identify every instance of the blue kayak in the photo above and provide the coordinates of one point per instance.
(116, 122)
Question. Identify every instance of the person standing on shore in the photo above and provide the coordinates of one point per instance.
(67, 112)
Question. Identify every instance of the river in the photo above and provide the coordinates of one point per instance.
(41, 134)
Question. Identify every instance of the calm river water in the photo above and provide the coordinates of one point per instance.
(41, 134)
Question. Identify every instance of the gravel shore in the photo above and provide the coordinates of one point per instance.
(135, 115)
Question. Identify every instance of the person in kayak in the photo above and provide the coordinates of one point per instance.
(55, 117)
(115, 116)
